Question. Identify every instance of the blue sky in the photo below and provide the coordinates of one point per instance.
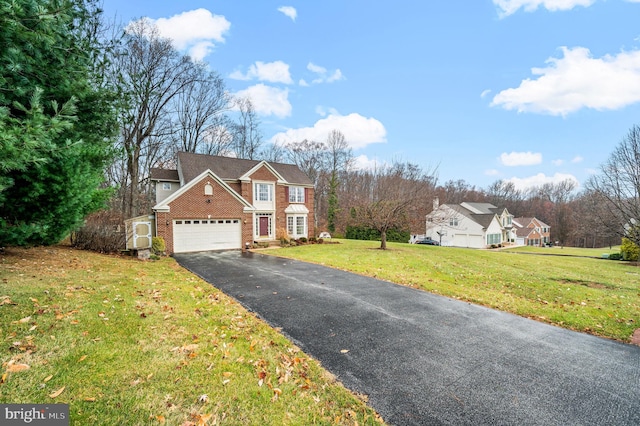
(531, 91)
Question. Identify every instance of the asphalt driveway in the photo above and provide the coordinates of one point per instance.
(424, 359)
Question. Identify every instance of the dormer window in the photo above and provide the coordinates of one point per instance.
(166, 186)
(296, 194)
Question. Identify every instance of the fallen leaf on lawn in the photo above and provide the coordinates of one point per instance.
(161, 419)
(33, 327)
(227, 374)
(6, 300)
(14, 368)
(22, 320)
(90, 399)
(203, 398)
(3, 379)
(57, 393)
(46, 379)
(276, 393)
(82, 358)
(224, 382)
(344, 351)
(203, 419)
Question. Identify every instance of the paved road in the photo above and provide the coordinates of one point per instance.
(428, 360)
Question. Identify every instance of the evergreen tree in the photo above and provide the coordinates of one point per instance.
(56, 118)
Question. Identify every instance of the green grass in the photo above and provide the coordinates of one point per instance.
(126, 342)
(597, 296)
(566, 251)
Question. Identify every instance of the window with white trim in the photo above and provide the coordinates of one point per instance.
(263, 192)
(297, 226)
(494, 239)
(166, 186)
(296, 194)
(453, 221)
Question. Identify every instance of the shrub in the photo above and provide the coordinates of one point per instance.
(303, 240)
(102, 231)
(364, 233)
(615, 256)
(629, 250)
(157, 245)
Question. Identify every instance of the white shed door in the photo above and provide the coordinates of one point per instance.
(206, 234)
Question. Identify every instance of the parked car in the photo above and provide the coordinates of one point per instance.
(428, 241)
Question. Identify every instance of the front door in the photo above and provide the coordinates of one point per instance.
(264, 226)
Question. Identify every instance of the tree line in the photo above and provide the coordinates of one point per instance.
(87, 108)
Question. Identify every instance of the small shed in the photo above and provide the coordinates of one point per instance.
(139, 231)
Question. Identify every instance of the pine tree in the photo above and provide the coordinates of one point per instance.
(56, 119)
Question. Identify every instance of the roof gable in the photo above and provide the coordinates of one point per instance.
(164, 204)
(261, 164)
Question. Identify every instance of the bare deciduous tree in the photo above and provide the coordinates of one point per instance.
(617, 187)
(150, 74)
(198, 118)
(247, 138)
(339, 161)
(387, 195)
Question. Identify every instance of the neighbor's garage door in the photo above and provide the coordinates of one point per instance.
(206, 234)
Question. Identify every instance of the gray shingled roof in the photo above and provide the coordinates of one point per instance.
(164, 175)
(482, 219)
(228, 168)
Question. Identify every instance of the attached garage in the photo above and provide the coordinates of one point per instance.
(206, 234)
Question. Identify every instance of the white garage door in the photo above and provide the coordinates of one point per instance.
(206, 234)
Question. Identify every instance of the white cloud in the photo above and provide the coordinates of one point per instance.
(491, 172)
(558, 162)
(575, 81)
(303, 83)
(323, 75)
(273, 72)
(520, 158)
(362, 162)
(268, 100)
(540, 179)
(289, 11)
(579, 158)
(485, 93)
(508, 7)
(194, 31)
(358, 131)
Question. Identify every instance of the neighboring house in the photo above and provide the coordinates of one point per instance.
(474, 225)
(531, 232)
(216, 203)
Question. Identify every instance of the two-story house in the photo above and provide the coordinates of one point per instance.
(532, 232)
(214, 203)
(474, 225)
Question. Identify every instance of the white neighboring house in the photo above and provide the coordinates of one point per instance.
(473, 225)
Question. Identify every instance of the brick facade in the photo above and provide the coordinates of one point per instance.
(195, 203)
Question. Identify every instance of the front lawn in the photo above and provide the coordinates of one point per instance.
(126, 342)
(597, 296)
